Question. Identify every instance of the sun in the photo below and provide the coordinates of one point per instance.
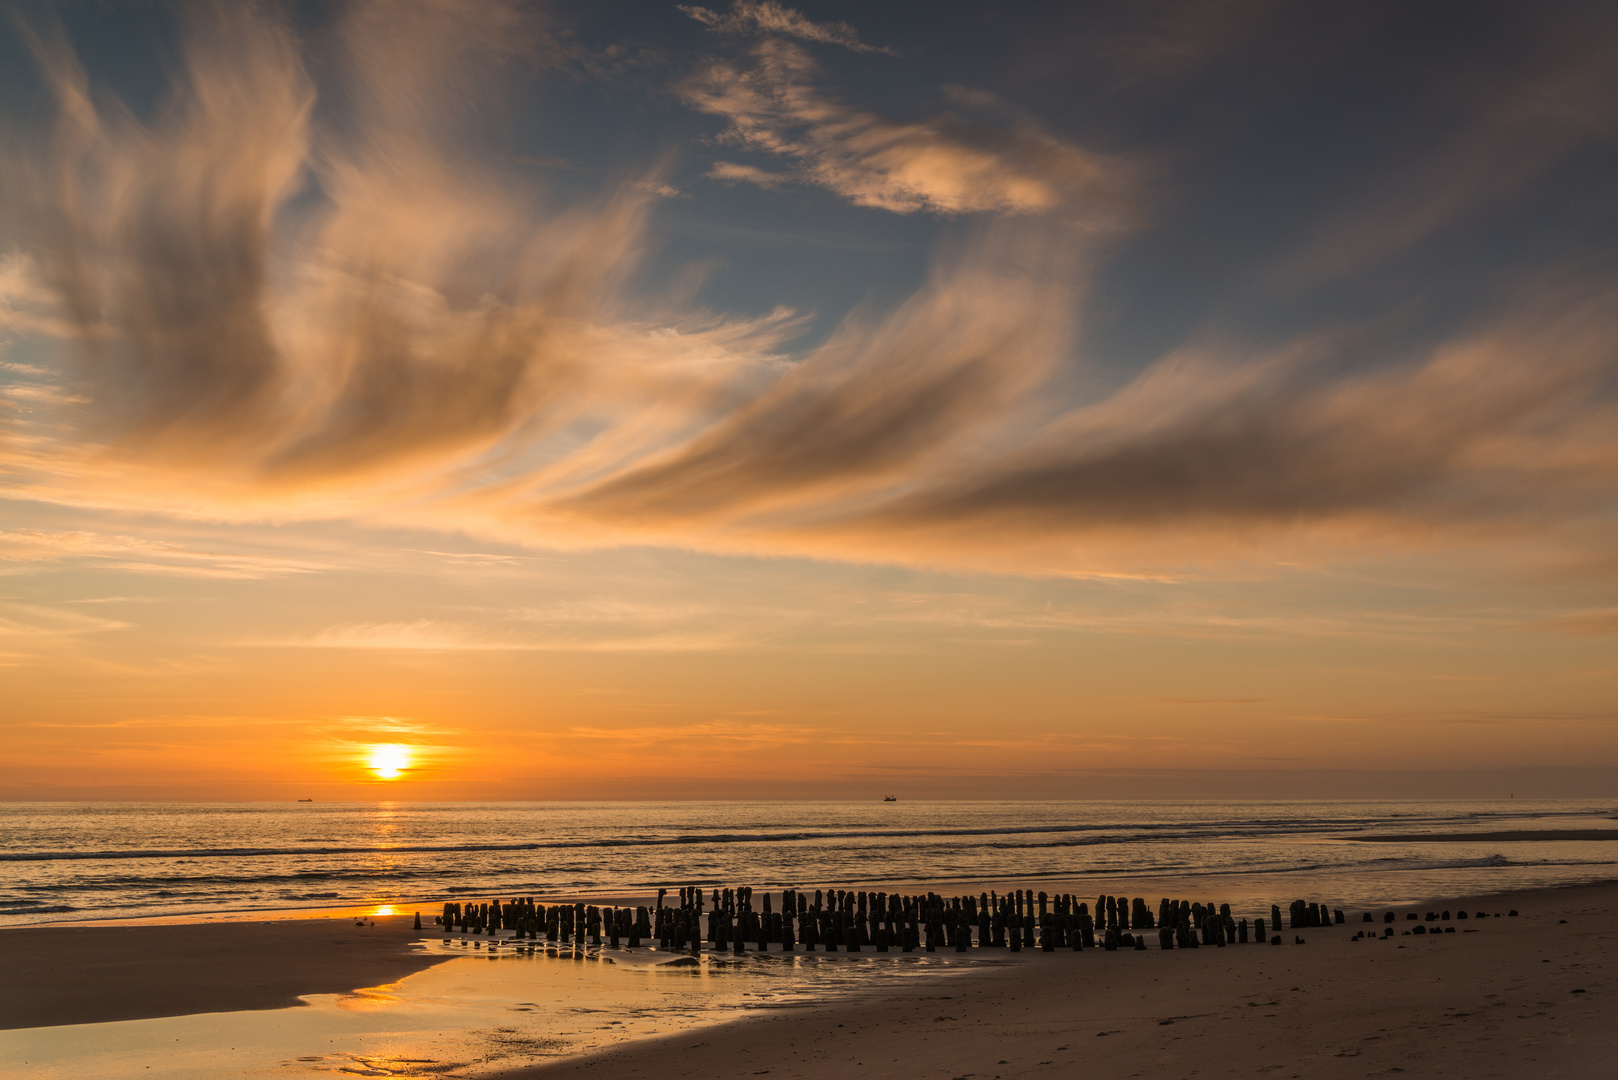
(388, 760)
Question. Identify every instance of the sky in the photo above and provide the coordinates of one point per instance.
(436, 399)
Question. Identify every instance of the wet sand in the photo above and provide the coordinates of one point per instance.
(1527, 996)
(92, 974)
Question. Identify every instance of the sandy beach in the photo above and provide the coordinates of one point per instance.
(1500, 996)
(93, 974)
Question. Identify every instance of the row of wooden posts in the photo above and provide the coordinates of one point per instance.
(840, 919)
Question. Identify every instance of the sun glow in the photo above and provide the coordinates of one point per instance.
(388, 760)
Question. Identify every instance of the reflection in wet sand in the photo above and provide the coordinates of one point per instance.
(490, 1006)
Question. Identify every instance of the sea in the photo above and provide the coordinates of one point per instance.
(76, 862)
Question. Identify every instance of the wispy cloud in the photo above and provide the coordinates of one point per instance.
(774, 103)
(574, 626)
(875, 402)
(264, 309)
(45, 621)
(750, 174)
(768, 17)
(1468, 432)
(416, 311)
(145, 555)
(902, 452)
(1598, 623)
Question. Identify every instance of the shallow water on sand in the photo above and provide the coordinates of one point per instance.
(66, 861)
(481, 1012)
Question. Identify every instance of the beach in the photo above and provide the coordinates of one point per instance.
(1501, 996)
(1515, 997)
(94, 974)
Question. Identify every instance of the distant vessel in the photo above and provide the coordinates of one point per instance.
(890, 798)
(306, 800)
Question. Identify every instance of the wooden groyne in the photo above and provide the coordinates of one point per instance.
(740, 920)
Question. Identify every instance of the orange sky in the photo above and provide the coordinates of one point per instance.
(749, 405)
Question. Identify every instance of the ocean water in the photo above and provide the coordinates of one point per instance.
(78, 861)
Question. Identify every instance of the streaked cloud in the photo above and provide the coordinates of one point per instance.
(773, 103)
(275, 302)
(1468, 431)
(1598, 623)
(565, 635)
(751, 174)
(922, 453)
(286, 303)
(45, 621)
(875, 403)
(146, 555)
(768, 17)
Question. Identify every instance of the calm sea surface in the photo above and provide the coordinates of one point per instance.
(75, 861)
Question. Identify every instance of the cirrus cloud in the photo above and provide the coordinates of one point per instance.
(771, 18)
(258, 304)
(773, 104)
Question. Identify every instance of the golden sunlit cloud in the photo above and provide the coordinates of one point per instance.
(409, 358)
(389, 760)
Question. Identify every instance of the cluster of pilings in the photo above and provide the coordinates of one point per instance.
(739, 920)
(553, 922)
(1420, 930)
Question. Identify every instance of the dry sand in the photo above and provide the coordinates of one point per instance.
(91, 974)
(1519, 997)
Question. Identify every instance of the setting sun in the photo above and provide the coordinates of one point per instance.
(389, 760)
